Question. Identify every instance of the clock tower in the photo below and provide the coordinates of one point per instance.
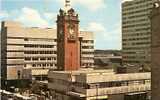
(68, 45)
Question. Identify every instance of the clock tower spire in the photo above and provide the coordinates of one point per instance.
(68, 45)
(67, 3)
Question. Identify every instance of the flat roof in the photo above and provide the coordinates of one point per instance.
(85, 71)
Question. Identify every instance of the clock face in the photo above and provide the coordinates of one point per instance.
(72, 33)
(71, 29)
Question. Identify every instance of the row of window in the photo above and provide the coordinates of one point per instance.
(143, 3)
(88, 53)
(136, 29)
(132, 61)
(88, 41)
(138, 43)
(135, 25)
(87, 47)
(135, 39)
(40, 52)
(135, 7)
(134, 52)
(40, 39)
(87, 58)
(38, 46)
(136, 48)
(33, 39)
(87, 64)
(137, 34)
(44, 65)
(14, 57)
(135, 12)
(41, 58)
(134, 21)
(131, 31)
(134, 16)
(134, 57)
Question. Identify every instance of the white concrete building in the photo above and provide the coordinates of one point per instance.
(98, 85)
(36, 49)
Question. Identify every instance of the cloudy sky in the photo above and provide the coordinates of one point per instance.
(103, 17)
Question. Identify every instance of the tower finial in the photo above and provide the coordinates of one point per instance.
(67, 3)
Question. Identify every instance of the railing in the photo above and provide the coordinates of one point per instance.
(118, 90)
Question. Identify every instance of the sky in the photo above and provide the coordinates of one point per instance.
(102, 17)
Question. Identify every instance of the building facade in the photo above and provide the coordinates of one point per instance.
(106, 59)
(136, 31)
(87, 49)
(34, 48)
(99, 85)
(155, 70)
(27, 48)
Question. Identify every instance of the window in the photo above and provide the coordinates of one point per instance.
(34, 58)
(27, 58)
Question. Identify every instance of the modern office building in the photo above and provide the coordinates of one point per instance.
(99, 85)
(136, 31)
(27, 48)
(155, 55)
(35, 49)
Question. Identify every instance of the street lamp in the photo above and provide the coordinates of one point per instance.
(97, 86)
(19, 79)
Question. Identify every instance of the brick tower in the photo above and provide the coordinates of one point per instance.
(68, 45)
